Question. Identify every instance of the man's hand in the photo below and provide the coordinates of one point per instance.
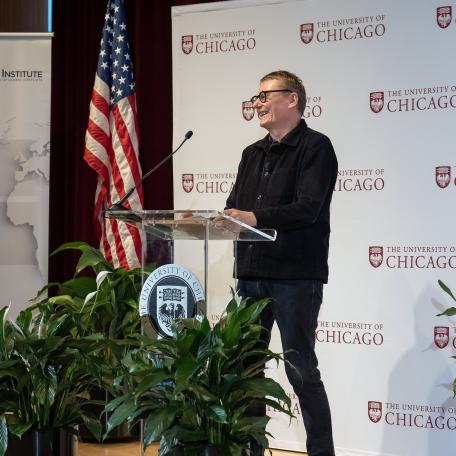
(243, 216)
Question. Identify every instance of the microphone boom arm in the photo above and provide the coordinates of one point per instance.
(119, 206)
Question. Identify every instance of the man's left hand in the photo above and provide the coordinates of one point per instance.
(243, 216)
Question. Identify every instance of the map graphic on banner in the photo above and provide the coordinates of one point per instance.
(27, 166)
(25, 66)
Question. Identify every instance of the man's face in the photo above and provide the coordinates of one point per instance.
(275, 111)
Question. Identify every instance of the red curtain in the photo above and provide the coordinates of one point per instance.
(77, 30)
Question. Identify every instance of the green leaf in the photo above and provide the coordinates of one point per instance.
(157, 423)
(3, 347)
(252, 312)
(19, 429)
(450, 312)
(24, 319)
(185, 369)
(91, 258)
(261, 439)
(61, 323)
(79, 286)
(232, 334)
(184, 435)
(250, 423)
(205, 347)
(236, 449)
(120, 415)
(261, 387)
(42, 292)
(202, 392)
(232, 306)
(217, 413)
(93, 425)
(62, 300)
(446, 289)
(151, 380)
(3, 435)
(114, 403)
(277, 406)
(8, 363)
(76, 245)
(134, 367)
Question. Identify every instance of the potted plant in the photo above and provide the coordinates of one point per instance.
(195, 387)
(106, 304)
(450, 312)
(44, 378)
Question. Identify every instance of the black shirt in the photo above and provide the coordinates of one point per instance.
(288, 185)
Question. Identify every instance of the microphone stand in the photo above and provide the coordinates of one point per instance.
(118, 206)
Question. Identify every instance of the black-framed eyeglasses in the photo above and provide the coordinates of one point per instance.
(262, 96)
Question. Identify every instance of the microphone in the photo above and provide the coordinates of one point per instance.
(118, 206)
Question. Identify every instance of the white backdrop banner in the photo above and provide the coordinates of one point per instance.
(25, 94)
(381, 83)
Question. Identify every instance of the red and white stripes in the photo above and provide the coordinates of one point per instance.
(111, 150)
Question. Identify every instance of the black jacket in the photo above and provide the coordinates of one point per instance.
(288, 185)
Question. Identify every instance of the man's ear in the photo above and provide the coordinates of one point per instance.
(293, 100)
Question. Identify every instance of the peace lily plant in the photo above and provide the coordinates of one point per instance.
(193, 389)
(44, 376)
(63, 346)
(450, 312)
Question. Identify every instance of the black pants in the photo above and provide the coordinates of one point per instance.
(295, 306)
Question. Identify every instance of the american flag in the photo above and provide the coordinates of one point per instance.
(111, 147)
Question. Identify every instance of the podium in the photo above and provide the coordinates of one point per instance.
(175, 260)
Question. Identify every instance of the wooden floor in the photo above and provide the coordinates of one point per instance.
(133, 449)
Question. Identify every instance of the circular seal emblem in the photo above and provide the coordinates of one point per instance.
(170, 293)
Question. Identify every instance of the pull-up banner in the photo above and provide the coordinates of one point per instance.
(25, 94)
(381, 83)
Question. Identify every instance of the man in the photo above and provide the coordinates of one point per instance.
(285, 181)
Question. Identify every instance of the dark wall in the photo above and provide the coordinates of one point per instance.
(23, 15)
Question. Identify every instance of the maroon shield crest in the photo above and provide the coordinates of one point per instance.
(441, 336)
(377, 100)
(444, 16)
(307, 33)
(187, 44)
(187, 182)
(443, 176)
(375, 256)
(374, 411)
(247, 110)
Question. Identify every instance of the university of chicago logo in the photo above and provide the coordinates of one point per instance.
(444, 16)
(441, 336)
(442, 176)
(375, 256)
(374, 410)
(307, 33)
(171, 306)
(377, 100)
(170, 293)
(187, 44)
(187, 182)
(247, 110)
